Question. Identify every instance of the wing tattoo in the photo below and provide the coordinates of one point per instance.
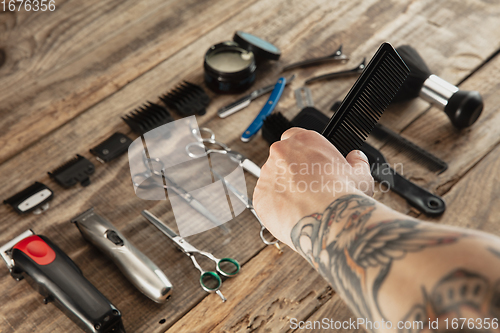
(342, 243)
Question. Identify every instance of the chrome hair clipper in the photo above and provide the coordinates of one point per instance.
(57, 278)
(138, 268)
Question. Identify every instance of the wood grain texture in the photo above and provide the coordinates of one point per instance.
(272, 289)
(87, 66)
(97, 49)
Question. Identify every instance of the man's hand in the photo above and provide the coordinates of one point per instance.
(304, 174)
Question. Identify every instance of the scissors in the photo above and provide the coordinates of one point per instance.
(156, 174)
(235, 156)
(202, 143)
(210, 281)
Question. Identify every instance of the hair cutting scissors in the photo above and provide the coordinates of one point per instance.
(154, 178)
(210, 281)
(209, 145)
(235, 156)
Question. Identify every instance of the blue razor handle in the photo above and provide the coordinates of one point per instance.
(266, 110)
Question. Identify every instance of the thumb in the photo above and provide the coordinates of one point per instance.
(358, 160)
(361, 170)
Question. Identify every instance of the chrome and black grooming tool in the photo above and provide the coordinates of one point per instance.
(34, 198)
(138, 268)
(245, 101)
(266, 110)
(354, 71)
(428, 203)
(57, 278)
(410, 149)
(210, 281)
(462, 107)
(112, 147)
(76, 170)
(336, 56)
(187, 99)
(367, 100)
(147, 117)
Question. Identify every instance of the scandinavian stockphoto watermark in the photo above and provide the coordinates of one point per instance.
(331, 177)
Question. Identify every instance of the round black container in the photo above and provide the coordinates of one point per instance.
(229, 68)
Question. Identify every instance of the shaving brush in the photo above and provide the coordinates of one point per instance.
(462, 107)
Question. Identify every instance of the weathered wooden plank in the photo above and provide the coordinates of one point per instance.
(271, 290)
(111, 191)
(115, 49)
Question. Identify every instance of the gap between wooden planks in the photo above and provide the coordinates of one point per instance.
(103, 119)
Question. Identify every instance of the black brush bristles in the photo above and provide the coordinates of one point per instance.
(274, 125)
(147, 117)
(367, 100)
(187, 99)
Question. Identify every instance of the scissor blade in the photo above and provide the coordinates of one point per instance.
(243, 198)
(196, 205)
(159, 224)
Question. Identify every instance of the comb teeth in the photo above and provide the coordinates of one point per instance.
(187, 99)
(147, 117)
(367, 100)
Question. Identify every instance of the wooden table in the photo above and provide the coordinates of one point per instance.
(67, 76)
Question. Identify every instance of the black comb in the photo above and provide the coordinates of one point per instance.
(413, 151)
(187, 99)
(147, 117)
(75, 170)
(410, 149)
(367, 100)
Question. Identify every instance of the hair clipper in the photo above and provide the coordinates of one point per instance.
(138, 268)
(57, 278)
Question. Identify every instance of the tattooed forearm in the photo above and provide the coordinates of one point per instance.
(355, 254)
(460, 294)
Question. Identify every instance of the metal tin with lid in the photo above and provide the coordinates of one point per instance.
(230, 67)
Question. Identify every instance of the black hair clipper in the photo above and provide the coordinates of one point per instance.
(57, 278)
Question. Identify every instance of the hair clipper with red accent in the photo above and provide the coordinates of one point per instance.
(57, 278)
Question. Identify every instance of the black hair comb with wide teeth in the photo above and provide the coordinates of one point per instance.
(187, 99)
(75, 170)
(367, 100)
(147, 117)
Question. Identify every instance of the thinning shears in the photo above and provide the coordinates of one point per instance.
(235, 156)
(209, 145)
(154, 178)
(210, 281)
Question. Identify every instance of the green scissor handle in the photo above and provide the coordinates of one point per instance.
(233, 267)
(210, 276)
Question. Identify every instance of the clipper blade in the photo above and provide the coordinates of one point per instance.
(75, 170)
(147, 117)
(187, 99)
